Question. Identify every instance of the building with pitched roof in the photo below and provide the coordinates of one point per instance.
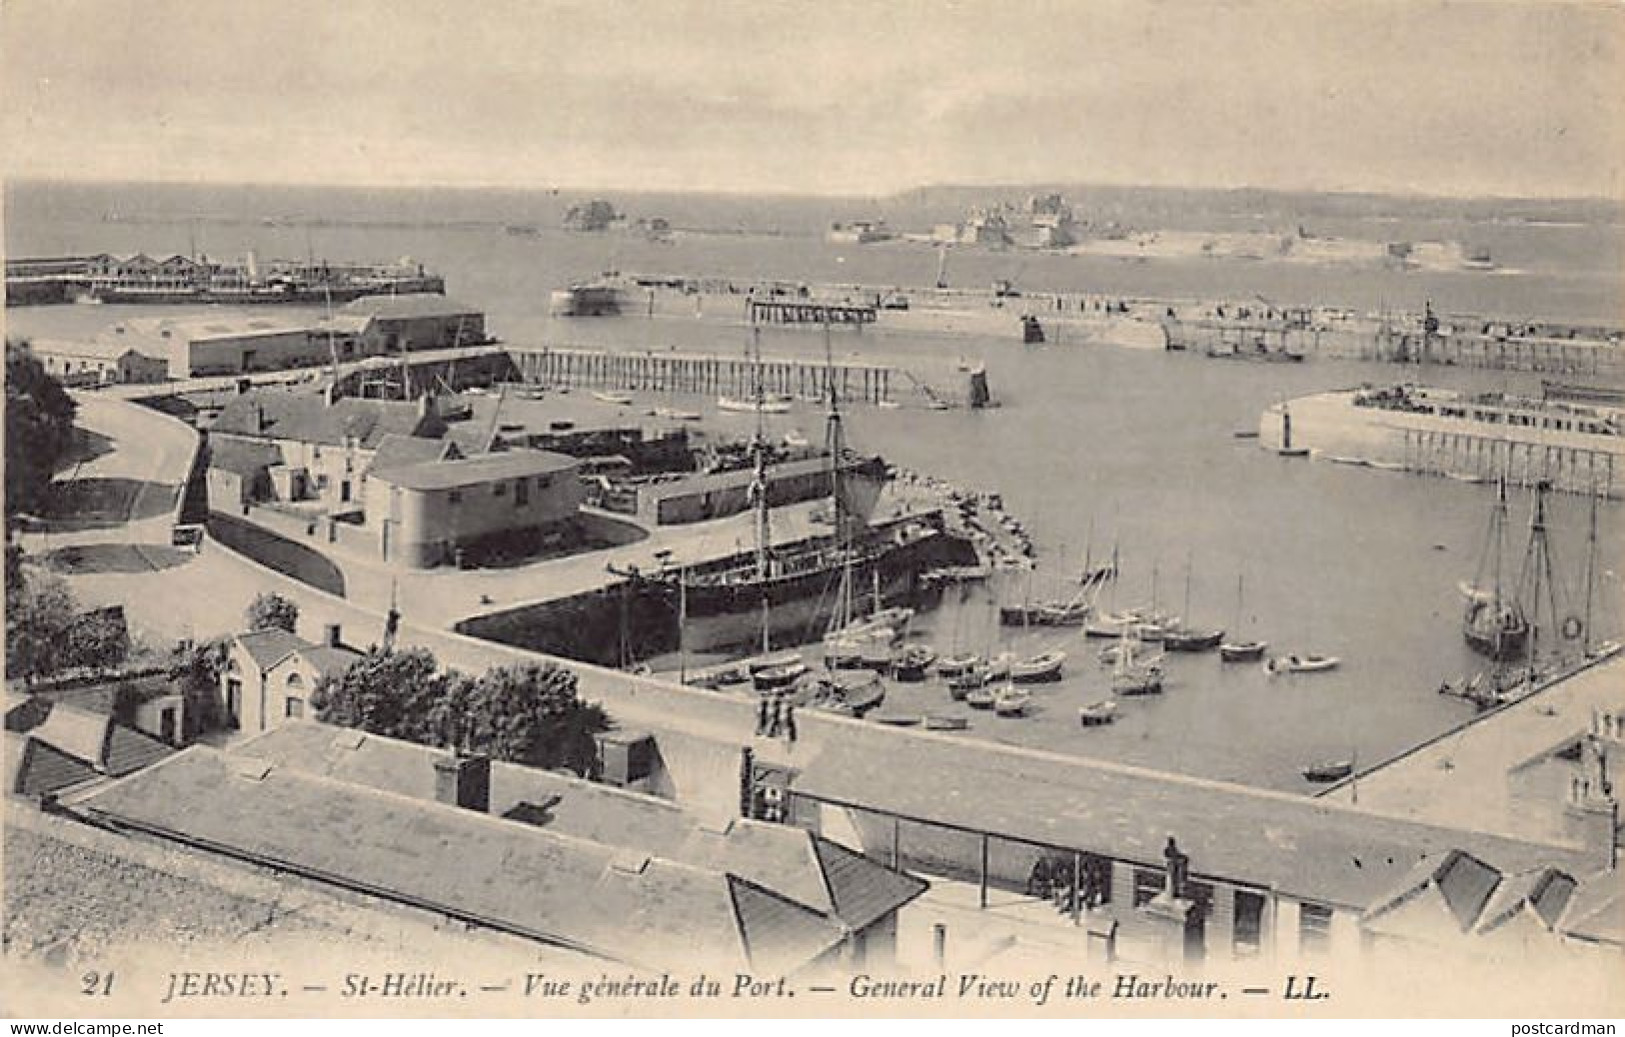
(408, 322)
(217, 344)
(609, 902)
(98, 362)
(73, 747)
(325, 445)
(269, 675)
(862, 895)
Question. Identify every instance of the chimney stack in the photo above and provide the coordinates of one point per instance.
(463, 780)
(333, 635)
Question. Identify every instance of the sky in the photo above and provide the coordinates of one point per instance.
(822, 96)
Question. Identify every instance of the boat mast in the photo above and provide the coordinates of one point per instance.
(834, 443)
(758, 448)
(1591, 570)
(1537, 564)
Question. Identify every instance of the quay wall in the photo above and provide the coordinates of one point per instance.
(1335, 430)
(697, 373)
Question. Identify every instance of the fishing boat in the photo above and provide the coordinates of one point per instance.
(1242, 651)
(1131, 676)
(619, 399)
(677, 415)
(911, 662)
(771, 675)
(847, 694)
(1239, 651)
(1494, 623)
(763, 406)
(1097, 713)
(958, 664)
(1300, 664)
(981, 698)
(1040, 668)
(1061, 614)
(1333, 770)
(943, 722)
(1136, 679)
(1187, 640)
(1012, 702)
(1128, 649)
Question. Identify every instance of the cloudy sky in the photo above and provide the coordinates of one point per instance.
(816, 96)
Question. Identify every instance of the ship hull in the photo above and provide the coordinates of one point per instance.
(796, 609)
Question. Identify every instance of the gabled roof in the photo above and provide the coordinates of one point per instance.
(1440, 895)
(42, 769)
(466, 865)
(96, 349)
(1544, 891)
(96, 742)
(241, 456)
(307, 417)
(409, 305)
(269, 647)
(789, 861)
(396, 451)
(325, 659)
(1596, 912)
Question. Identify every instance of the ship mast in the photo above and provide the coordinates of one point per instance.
(758, 449)
(1538, 566)
(834, 443)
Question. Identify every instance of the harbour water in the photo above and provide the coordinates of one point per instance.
(1092, 446)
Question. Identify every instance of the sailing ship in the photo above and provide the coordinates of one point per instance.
(1041, 668)
(1011, 701)
(785, 590)
(1240, 651)
(1178, 637)
(1494, 624)
(1132, 677)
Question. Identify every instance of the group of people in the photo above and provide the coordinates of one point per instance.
(776, 717)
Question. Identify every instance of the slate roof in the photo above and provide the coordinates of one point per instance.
(325, 659)
(808, 869)
(1306, 848)
(409, 305)
(625, 906)
(269, 647)
(1597, 911)
(41, 769)
(396, 451)
(243, 457)
(306, 417)
(99, 349)
(475, 471)
(73, 745)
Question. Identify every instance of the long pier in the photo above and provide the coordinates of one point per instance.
(804, 311)
(853, 382)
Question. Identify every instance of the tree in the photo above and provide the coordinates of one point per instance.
(39, 430)
(271, 611)
(391, 693)
(98, 640)
(531, 713)
(37, 626)
(527, 713)
(196, 667)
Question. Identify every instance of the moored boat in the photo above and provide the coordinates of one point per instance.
(955, 665)
(980, 698)
(1185, 640)
(943, 722)
(1012, 702)
(1242, 651)
(910, 662)
(1333, 770)
(1309, 663)
(1046, 666)
(1097, 713)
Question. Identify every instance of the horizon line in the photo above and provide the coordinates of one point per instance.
(1420, 194)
